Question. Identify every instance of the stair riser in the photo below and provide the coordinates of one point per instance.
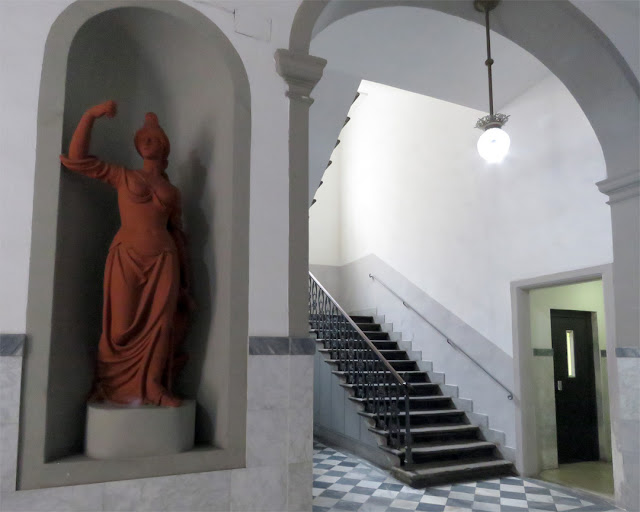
(409, 366)
(424, 390)
(420, 378)
(457, 436)
(369, 327)
(462, 455)
(424, 421)
(420, 405)
(386, 345)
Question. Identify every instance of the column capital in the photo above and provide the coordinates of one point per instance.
(619, 188)
(301, 72)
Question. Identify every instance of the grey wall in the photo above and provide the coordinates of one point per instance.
(335, 417)
(186, 72)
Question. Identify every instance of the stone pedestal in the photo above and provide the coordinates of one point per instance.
(117, 432)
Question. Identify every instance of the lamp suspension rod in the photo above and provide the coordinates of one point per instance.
(489, 61)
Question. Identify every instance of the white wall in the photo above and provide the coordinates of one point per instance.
(415, 193)
(579, 297)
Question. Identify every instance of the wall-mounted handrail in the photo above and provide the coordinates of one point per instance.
(447, 339)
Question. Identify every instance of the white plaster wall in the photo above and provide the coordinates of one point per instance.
(24, 30)
(324, 245)
(580, 297)
(415, 192)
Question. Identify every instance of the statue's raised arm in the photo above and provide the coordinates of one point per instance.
(79, 159)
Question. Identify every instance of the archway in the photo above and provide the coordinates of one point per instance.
(195, 80)
(552, 32)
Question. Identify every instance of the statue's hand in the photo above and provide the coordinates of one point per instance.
(108, 108)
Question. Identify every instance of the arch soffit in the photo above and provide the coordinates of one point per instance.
(558, 34)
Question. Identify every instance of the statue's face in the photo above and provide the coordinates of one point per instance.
(150, 146)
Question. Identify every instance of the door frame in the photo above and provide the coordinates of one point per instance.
(527, 445)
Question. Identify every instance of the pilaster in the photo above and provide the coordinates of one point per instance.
(301, 73)
(624, 368)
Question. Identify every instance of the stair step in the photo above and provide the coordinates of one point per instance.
(433, 398)
(385, 344)
(365, 326)
(396, 363)
(362, 319)
(389, 355)
(443, 448)
(376, 335)
(417, 414)
(409, 376)
(455, 471)
(432, 431)
(418, 387)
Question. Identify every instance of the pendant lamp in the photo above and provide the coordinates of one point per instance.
(493, 144)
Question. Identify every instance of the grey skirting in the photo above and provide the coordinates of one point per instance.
(280, 346)
(12, 344)
(627, 352)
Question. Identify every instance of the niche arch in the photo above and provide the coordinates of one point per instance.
(149, 56)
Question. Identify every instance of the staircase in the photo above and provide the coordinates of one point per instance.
(444, 446)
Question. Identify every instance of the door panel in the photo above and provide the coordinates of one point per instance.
(576, 414)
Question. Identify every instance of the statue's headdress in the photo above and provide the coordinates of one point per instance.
(151, 126)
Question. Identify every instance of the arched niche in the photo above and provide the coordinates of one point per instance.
(148, 56)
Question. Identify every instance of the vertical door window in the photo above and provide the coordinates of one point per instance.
(571, 355)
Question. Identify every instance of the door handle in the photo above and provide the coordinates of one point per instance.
(559, 385)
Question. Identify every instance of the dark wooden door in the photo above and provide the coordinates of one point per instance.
(576, 415)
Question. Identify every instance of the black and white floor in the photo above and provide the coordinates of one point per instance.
(344, 482)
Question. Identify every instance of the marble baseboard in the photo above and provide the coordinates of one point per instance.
(280, 346)
(627, 352)
(12, 344)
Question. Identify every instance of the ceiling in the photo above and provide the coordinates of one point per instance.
(430, 53)
(439, 55)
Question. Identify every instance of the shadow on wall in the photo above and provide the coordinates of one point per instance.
(201, 246)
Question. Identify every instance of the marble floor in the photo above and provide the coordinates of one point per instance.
(344, 482)
(593, 476)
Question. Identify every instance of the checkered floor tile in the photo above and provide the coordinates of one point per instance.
(344, 482)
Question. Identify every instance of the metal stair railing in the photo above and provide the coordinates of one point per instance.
(447, 339)
(372, 376)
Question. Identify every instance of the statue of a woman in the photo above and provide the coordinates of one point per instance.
(146, 287)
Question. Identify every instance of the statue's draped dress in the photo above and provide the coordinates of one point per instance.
(141, 285)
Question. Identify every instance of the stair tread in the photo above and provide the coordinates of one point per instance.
(388, 361)
(434, 412)
(443, 429)
(434, 398)
(414, 384)
(450, 446)
(458, 466)
(413, 372)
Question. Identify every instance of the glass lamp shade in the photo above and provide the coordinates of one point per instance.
(493, 145)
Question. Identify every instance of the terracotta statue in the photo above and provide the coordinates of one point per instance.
(146, 286)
